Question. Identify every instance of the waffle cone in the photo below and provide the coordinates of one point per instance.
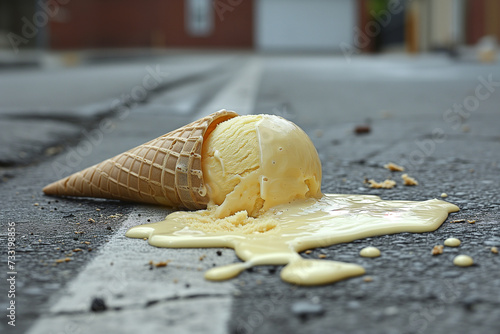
(167, 170)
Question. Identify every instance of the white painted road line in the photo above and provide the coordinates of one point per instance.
(121, 275)
(240, 93)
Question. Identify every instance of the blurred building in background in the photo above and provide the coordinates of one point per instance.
(267, 25)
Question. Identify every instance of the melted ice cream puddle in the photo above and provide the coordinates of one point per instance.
(299, 226)
(282, 166)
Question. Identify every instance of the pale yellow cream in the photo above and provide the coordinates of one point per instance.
(263, 176)
(369, 252)
(452, 242)
(298, 226)
(463, 261)
(256, 162)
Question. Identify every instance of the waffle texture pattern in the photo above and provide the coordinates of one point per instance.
(166, 171)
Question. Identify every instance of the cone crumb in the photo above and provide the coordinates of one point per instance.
(161, 263)
(473, 221)
(393, 167)
(444, 195)
(408, 180)
(239, 222)
(437, 250)
(387, 184)
(494, 250)
(66, 259)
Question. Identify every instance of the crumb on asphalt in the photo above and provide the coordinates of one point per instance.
(387, 184)
(393, 167)
(438, 249)
(159, 264)
(408, 180)
(66, 259)
(362, 129)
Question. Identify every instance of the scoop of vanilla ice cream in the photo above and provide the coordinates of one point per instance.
(256, 162)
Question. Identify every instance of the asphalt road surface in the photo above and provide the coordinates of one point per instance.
(74, 271)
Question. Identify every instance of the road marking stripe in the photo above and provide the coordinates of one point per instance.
(240, 93)
(121, 275)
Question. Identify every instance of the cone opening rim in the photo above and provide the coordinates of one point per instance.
(216, 122)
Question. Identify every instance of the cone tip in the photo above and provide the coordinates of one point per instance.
(51, 189)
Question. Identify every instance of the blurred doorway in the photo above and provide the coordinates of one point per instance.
(297, 25)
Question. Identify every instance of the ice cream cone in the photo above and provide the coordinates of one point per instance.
(166, 170)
